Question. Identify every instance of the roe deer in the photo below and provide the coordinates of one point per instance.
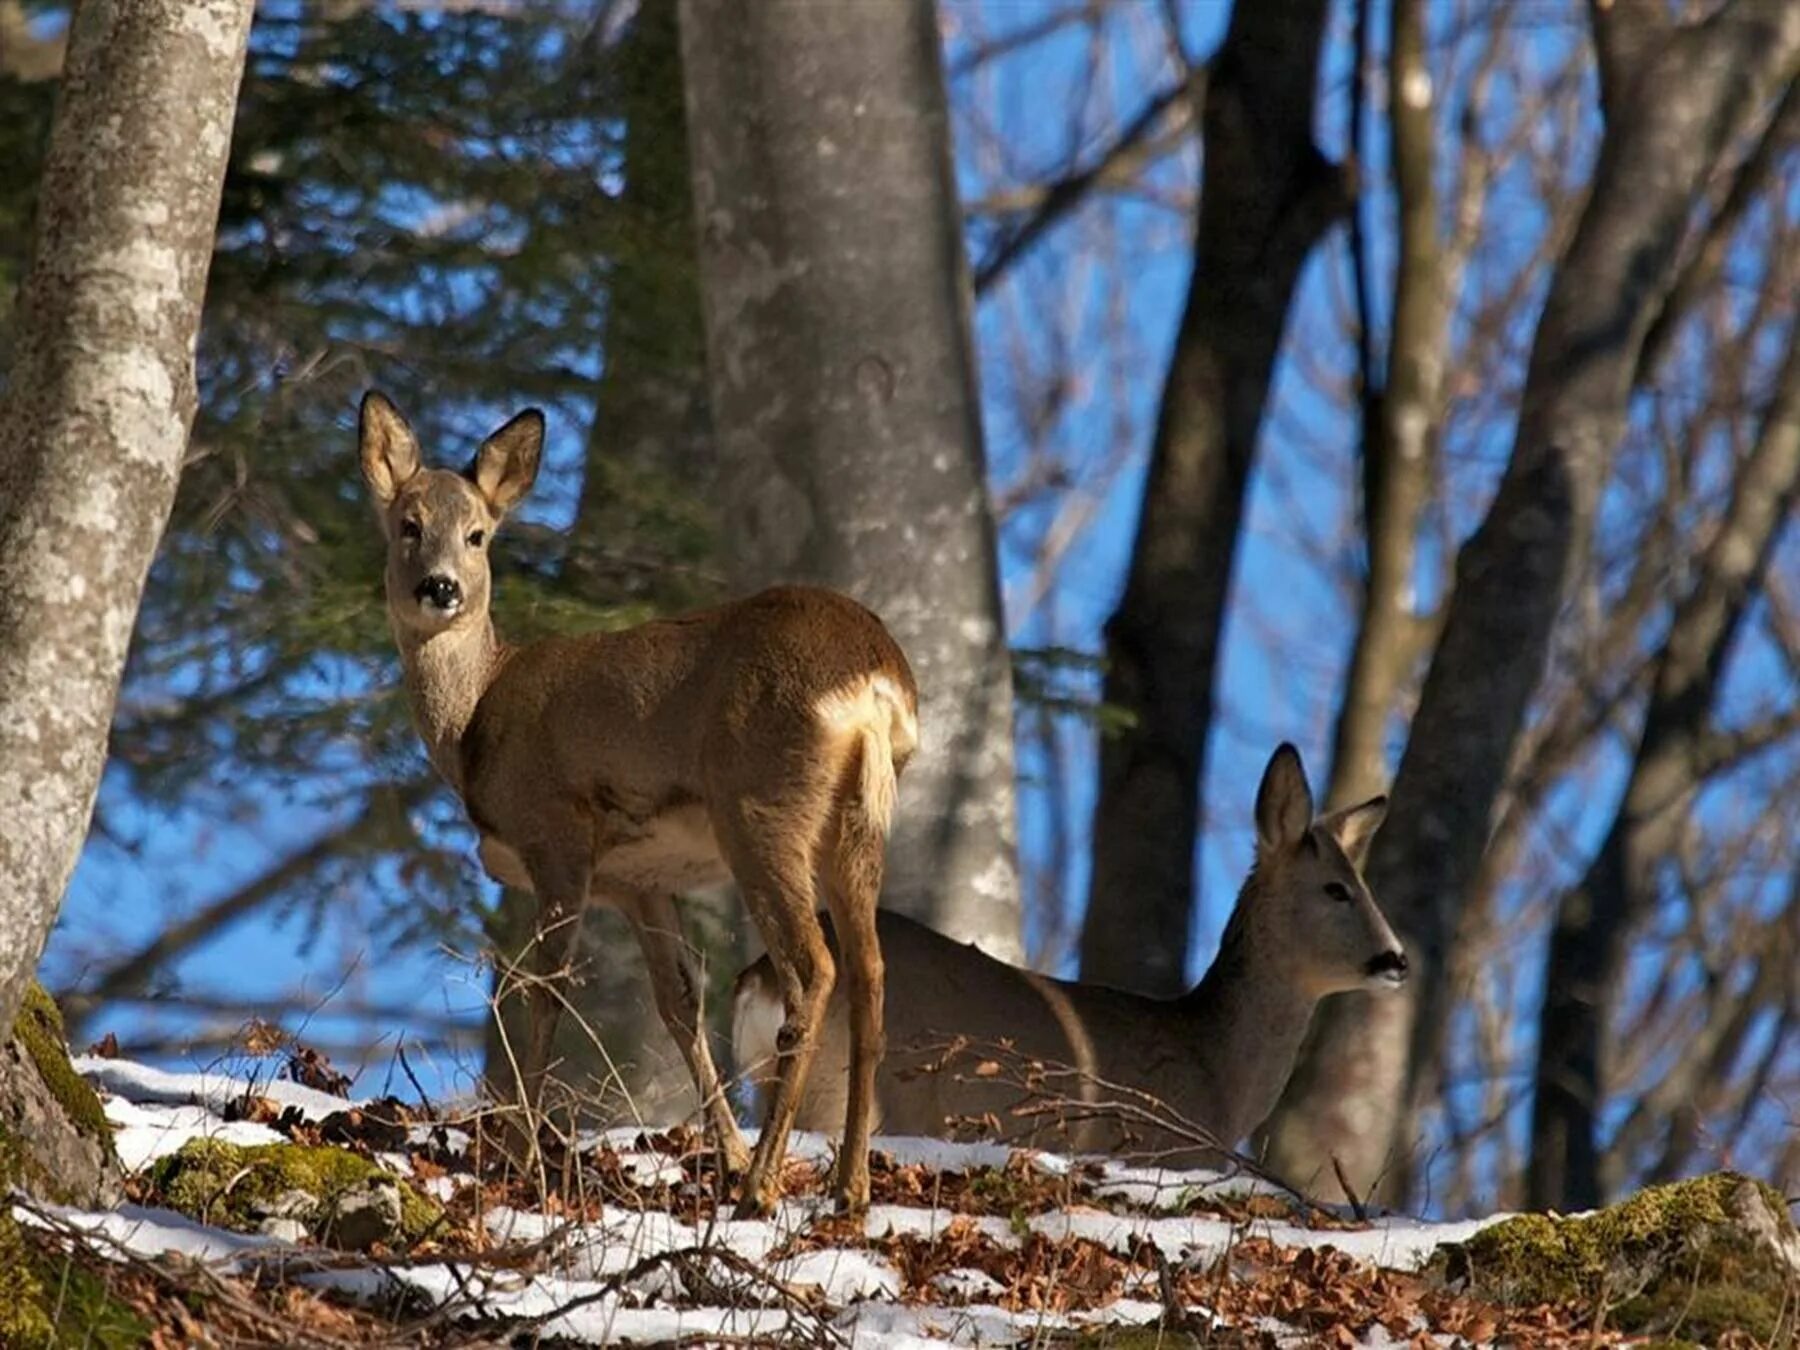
(760, 741)
(1305, 926)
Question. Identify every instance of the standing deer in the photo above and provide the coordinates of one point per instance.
(1305, 926)
(760, 741)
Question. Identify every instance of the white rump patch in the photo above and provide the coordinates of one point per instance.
(876, 704)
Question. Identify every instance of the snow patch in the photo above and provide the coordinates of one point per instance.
(145, 1085)
(142, 1134)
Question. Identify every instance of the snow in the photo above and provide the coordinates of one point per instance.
(144, 1133)
(771, 1279)
(145, 1085)
(155, 1232)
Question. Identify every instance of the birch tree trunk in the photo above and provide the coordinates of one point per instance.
(836, 298)
(96, 410)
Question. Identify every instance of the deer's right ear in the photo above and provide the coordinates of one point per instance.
(1284, 804)
(390, 451)
(507, 464)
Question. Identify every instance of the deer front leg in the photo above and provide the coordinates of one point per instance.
(560, 883)
(676, 984)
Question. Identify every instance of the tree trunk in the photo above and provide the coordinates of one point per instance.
(1596, 920)
(1400, 452)
(1401, 416)
(843, 391)
(96, 411)
(1668, 121)
(1269, 195)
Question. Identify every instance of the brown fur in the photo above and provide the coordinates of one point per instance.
(758, 741)
(1218, 1055)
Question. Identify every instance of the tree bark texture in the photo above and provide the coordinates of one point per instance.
(1401, 447)
(836, 297)
(1668, 120)
(1268, 197)
(1596, 920)
(96, 411)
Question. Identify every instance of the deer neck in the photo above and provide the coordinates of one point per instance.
(1248, 1018)
(446, 675)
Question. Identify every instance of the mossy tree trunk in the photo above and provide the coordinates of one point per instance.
(54, 1140)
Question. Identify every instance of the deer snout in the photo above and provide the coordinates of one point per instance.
(440, 592)
(1388, 967)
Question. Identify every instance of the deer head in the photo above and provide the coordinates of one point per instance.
(438, 523)
(1311, 903)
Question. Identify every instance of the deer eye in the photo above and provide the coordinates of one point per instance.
(476, 537)
(1336, 890)
(409, 529)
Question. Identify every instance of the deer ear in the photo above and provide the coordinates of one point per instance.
(390, 451)
(507, 464)
(1284, 805)
(1354, 827)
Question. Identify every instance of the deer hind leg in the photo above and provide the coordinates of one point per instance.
(852, 872)
(676, 984)
(772, 849)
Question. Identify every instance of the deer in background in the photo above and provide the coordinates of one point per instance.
(759, 742)
(1304, 926)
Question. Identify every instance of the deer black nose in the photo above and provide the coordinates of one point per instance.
(439, 591)
(1390, 966)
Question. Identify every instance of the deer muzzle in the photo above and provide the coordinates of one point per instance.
(1388, 968)
(441, 592)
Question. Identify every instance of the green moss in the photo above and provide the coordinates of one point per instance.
(1673, 1259)
(19, 1168)
(230, 1185)
(48, 1302)
(40, 1030)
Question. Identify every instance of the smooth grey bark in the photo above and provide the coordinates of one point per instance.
(836, 297)
(1668, 121)
(96, 411)
(1676, 752)
(1269, 195)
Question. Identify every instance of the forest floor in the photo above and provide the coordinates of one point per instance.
(275, 1213)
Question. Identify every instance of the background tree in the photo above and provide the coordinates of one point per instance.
(844, 396)
(97, 404)
(1660, 149)
(1269, 197)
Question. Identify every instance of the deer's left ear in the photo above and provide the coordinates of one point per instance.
(1354, 827)
(507, 464)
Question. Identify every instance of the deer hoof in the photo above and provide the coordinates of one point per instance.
(757, 1204)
